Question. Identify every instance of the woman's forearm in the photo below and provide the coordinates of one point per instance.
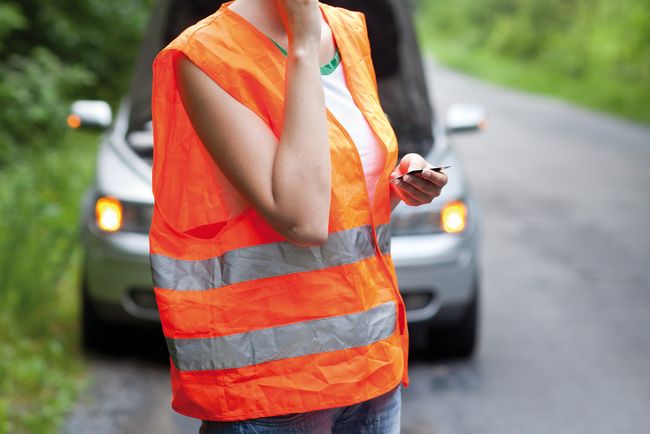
(290, 185)
(301, 179)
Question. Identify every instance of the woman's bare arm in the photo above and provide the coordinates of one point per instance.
(287, 181)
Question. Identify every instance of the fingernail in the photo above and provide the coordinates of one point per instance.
(407, 178)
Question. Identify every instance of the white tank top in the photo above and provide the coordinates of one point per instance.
(340, 103)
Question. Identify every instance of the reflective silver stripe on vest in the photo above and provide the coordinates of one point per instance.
(277, 343)
(383, 237)
(267, 260)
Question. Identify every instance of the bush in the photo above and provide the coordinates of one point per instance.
(40, 360)
(32, 93)
(97, 35)
(598, 47)
(53, 51)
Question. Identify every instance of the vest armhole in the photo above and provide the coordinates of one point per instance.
(206, 232)
(205, 66)
(215, 219)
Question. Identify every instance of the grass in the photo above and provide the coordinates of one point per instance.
(597, 90)
(41, 368)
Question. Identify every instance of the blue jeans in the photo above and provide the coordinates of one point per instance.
(380, 415)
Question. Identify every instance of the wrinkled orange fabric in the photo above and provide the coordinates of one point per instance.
(199, 215)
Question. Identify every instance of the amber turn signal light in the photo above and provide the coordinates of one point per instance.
(73, 121)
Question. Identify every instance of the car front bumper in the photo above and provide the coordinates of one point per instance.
(436, 275)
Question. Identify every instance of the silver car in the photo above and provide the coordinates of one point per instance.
(434, 247)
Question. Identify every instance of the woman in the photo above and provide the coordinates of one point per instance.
(270, 243)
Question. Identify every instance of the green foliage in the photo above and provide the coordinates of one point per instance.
(99, 35)
(39, 262)
(32, 89)
(54, 51)
(11, 19)
(599, 50)
(51, 52)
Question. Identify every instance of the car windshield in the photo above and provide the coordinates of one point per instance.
(395, 52)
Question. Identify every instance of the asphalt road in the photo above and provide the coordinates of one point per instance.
(565, 197)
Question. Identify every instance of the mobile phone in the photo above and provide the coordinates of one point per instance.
(412, 172)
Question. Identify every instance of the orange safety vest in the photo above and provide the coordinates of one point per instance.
(257, 326)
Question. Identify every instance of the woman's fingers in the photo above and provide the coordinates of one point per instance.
(403, 195)
(425, 185)
(422, 188)
(415, 194)
(438, 178)
(302, 20)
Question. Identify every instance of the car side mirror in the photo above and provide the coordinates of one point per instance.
(462, 118)
(90, 114)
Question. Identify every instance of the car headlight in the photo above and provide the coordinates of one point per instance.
(112, 215)
(108, 213)
(451, 218)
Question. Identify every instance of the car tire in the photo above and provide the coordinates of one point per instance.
(95, 331)
(460, 339)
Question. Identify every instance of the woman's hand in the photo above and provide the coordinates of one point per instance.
(302, 21)
(417, 189)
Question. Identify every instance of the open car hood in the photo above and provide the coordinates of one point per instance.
(395, 51)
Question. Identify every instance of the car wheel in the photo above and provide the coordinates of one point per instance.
(94, 329)
(460, 339)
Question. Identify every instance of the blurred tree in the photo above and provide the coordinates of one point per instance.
(52, 51)
(599, 40)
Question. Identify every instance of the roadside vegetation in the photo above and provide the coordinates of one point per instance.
(40, 359)
(595, 53)
(51, 52)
